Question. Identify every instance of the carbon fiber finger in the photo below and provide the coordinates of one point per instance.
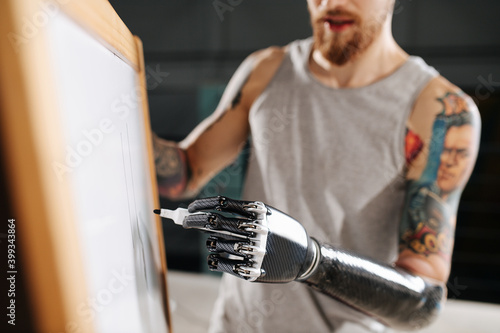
(221, 204)
(216, 244)
(214, 221)
(219, 264)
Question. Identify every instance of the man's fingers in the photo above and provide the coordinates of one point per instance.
(221, 204)
(214, 221)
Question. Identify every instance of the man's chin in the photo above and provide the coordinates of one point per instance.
(445, 188)
(338, 52)
(339, 61)
(338, 57)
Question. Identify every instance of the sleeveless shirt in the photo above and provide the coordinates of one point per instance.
(332, 158)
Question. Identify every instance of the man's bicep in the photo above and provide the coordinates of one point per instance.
(440, 152)
(216, 142)
(230, 100)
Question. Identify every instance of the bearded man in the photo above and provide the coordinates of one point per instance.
(344, 127)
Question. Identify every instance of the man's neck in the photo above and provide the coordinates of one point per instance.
(379, 60)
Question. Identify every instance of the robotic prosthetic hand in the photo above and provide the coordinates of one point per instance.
(259, 243)
(262, 243)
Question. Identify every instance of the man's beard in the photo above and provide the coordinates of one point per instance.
(341, 47)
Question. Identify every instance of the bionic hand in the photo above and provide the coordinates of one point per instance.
(250, 239)
(259, 243)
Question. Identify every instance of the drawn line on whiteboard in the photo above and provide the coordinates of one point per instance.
(137, 242)
(131, 169)
(125, 174)
(141, 242)
(135, 234)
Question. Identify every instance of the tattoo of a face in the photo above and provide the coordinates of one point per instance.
(432, 199)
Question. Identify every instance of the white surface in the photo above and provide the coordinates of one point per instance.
(107, 169)
(467, 317)
(191, 300)
(192, 297)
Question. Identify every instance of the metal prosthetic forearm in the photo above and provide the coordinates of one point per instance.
(394, 296)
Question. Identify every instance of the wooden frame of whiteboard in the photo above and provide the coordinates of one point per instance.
(33, 138)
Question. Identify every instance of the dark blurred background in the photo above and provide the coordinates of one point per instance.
(192, 49)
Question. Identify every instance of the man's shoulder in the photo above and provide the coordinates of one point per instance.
(443, 101)
(268, 58)
(272, 56)
(265, 64)
(437, 97)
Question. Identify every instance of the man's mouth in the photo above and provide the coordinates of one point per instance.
(445, 175)
(338, 23)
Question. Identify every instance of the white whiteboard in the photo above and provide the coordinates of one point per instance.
(107, 169)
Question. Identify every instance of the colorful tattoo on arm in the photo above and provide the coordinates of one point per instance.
(172, 168)
(413, 146)
(428, 222)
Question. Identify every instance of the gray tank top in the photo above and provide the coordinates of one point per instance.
(334, 160)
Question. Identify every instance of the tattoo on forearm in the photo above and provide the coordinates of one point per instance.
(171, 169)
(427, 226)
